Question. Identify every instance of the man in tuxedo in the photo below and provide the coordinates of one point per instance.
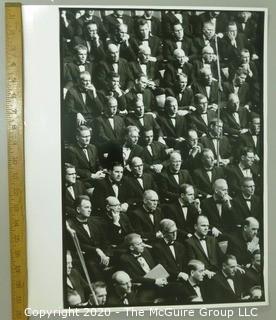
(120, 37)
(208, 86)
(227, 284)
(172, 177)
(219, 210)
(153, 23)
(114, 185)
(172, 18)
(92, 240)
(246, 203)
(235, 118)
(173, 125)
(252, 138)
(190, 151)
(245, 241)
(145, 218)
(201, 116)
(219, 144)
(143, 121)
(116, 18)
(155, 153)
(143, 37)
(207, 173)
(203, 247)
(206, 38)
(184, 211)
(72, 70)
(145, 65)
(246, 167)
(113, 90)
(109, 127)
(207, 58)
(122, 294)
(140, 91)
(178, 41)
(138, 181)
(113, 63)
(183, 94)
(179, 64)
(131, 148)
(171, 253)
(82, 103)
(254, 273)
(84, 156)
(91, 40)
(73, 189)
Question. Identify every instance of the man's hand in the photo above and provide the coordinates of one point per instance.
(124, 207)
(213, 107)
(161, 282)
(98, 175)
(92, 88)
(197, 205)
(103, 258)
(209, 273)
(156, 167)
(183, 276)
(159, 235)
(216, 232)
(80, 119)
(227, 201)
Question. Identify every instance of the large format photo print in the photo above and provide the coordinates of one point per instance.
(162, 116)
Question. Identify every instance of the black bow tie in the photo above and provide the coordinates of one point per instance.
(84, 147)
(83, 222)
(218, 201)
(195, 286)
(248, 199)
(202, 238)
(184, 206)
(137, 256)
(171, 243)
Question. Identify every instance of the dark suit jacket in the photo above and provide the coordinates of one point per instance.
(94, 53)
(171, 72)
(71, 73)
(104, 94)
(169, 19)
(241, 209)
(79, 285)
(230, 125)
(186, 45)
(202, 181)
(69, 201)
(199, 44)
(142, 223)
(187, 97)
(200, 88)
(135, 195)
(133, 268)
(196, 122)
(74, 103)
(170, 132)
(221, 290)
(190, 292)
(235, 177)
(246, 140)
(103, 189)
(252, 278)
(75, 155)
(149, 123)
(111, 22)
(244, 92)
(148, 99)
(82, 22)
(113, 300)
(169, 188)
(225, 149)
(225, 222)
(189, 162)
(103, 71)
(158, 156)
(104, 131)
(174, 212)
(154, 43)
(136, 70)
(126, 52)
(164, 256)
(195, 251)
(198, 64)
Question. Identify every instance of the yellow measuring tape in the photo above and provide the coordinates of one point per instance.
(15, 124)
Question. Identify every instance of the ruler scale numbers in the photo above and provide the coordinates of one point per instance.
(15, 124)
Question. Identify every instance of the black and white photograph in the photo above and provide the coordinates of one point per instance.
(163, 120)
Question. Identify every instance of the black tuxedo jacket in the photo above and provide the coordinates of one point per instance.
(185, 100)
(154, 43)
(103, 70)
(199, 44)
(171, 72)
(149, 123)
(252, 278)
(225, 149)
(111, 22)
(142, 223)
(244, 92)
(74, 103)
(195, 251)
(198, 64)
(246, 140)
(168, 21)
(225, 222)
(189, 162)
(104, 94)
(202, 180)
(136, 70)
(135, 189)
(71, 73)
(103, 189)
(196, 122)
(164, 256)
(105, 133)
(75, 155)
(82, 22)
(148, 99)
(113, 300)
(170, 132)
(69, 201)
(186, 45)
(241, 209)
(79, 285)
(221, 290)
(95, 54)
(200, 88)
(190, 292)
(174, 212)
(230, 125)
(169, 188)
(158, 156)
(133, 268)
(126, 52)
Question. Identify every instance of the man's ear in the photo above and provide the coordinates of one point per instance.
(78, 209)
